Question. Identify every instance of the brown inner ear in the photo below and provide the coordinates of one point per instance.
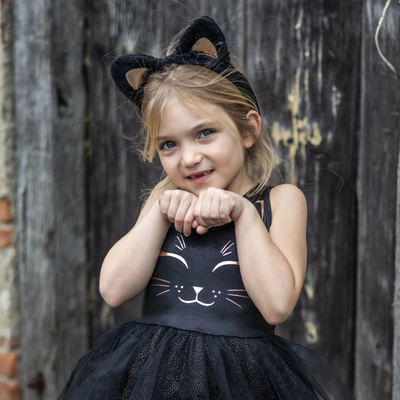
(203, 45)
(135, 77)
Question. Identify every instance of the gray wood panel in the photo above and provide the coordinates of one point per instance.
(50, 105)
(376, 190)
(396, 303)
(115, 175)
(304, 60)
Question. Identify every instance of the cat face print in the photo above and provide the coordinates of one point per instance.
(198, 275)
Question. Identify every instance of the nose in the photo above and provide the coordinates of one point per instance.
(190, 156)
(197, 289)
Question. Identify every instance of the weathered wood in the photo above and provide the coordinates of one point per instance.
(396, 303)
(376, 190)
(303, 58)
(116, 175)
(50, 104)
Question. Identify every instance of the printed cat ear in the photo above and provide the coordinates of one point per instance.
(203, 45)
(135, 76)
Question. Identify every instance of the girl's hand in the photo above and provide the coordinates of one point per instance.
(217, 207)
(177, 207)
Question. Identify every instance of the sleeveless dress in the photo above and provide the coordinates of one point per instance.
(200, 336)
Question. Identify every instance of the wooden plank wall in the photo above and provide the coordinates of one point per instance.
(51, 208)
(304, 60)
(376, 189)
(331, 107)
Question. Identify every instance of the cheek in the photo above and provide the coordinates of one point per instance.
(233, 150)
(166, 162)
(171, 168)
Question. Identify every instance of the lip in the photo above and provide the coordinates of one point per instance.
(201, 178)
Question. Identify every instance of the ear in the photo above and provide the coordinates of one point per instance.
(255, 120)
(205, 46)
(135, 77)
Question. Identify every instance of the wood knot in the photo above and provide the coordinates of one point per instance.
(37, 383)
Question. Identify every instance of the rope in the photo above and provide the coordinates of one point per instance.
(377, 42)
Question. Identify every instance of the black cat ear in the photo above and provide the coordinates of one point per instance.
(204, 36)
(203, 45)
(129, 71)
(135, 77)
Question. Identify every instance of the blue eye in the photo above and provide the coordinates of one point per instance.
(168, 145)
(206, 132)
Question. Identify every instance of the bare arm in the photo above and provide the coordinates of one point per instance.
(273, 264)
(129, 264)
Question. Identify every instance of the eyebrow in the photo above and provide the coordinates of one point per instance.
(195, 128)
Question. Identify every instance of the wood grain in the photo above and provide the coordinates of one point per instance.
(303, 58)
(50, 106)
(376, 191)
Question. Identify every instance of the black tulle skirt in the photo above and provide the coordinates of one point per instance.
(140, 361)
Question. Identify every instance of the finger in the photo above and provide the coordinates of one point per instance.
(205, 216)
(188, 220)
(201, 230)
(197, 211)
(181, 215)
(164, 202)
(215, 210)
(173, 207)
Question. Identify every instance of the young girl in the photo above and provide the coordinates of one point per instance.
(221, 254)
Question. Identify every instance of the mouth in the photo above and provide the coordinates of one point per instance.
(200, 174)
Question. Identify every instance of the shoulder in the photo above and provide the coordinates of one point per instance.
(287, 198)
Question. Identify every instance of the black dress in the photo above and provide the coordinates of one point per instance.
(200, 336)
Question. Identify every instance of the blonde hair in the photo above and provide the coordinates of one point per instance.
(195, 85)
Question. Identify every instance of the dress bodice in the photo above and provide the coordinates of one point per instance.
(196, 284)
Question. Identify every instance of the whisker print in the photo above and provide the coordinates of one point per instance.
(223, 249)
(159, 285)
(236, 290)
(225, 254)
(238, 295)
(159, 279)
(228, 248)
(162, 292)
(181, 242)
(236, 304)
(178, 247)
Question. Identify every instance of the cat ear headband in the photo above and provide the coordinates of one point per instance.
(202, 44)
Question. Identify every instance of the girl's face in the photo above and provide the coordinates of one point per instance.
(201, 151)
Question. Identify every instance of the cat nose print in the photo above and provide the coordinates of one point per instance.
(197, 289)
